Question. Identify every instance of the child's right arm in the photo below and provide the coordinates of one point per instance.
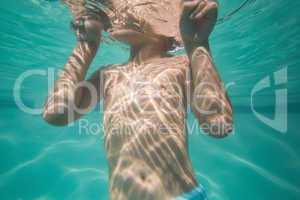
(72, 96)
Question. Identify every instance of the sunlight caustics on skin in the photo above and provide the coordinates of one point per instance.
(145, 103)
(256, 41)
(210, 102)
(144, 130)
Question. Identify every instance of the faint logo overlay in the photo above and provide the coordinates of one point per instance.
(279, 122)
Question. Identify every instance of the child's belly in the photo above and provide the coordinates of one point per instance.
(149, 125)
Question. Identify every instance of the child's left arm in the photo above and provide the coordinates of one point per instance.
(209, 100)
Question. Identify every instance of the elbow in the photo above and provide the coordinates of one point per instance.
(218, 126)
(215, 124)
(221, 131)
(56, 119)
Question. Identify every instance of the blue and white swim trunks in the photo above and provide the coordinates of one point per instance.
(196, 194)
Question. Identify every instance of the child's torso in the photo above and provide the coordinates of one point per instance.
(144, 118)
(147, 99)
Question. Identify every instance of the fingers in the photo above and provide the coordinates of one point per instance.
(199, 8)
(189, 5)
(212, 6)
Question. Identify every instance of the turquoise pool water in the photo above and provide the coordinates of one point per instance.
(258, 162)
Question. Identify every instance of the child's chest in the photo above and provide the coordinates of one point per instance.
(162, 73)
(154, 81)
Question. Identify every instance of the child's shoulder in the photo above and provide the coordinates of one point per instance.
(113, 68)
(178, 61)
(180, 58)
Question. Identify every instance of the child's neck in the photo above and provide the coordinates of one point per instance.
(147, 52)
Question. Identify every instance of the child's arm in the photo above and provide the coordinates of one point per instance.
(72, 96)
(209, 100)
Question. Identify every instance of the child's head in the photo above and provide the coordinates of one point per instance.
(142, 20)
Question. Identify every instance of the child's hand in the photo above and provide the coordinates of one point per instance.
(88, 30)
(197, 21)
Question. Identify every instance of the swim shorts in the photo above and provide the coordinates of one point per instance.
(196, 194)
